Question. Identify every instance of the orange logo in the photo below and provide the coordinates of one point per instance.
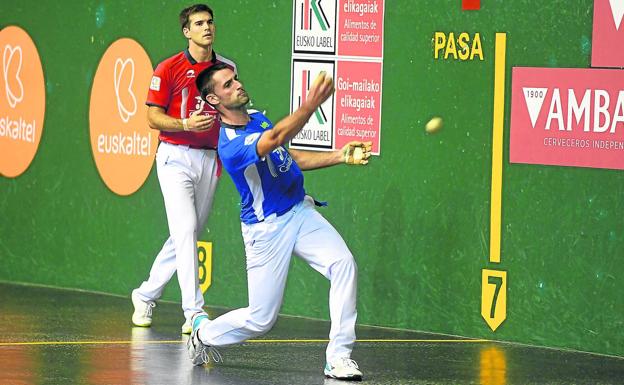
(122, 143)
(22, 101)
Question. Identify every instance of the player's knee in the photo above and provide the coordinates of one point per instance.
(347, 259)
(262, 322)
(261, 326)
(344, 265)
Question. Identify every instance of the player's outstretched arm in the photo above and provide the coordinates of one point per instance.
(288, 127)
(158, 119)
(351, 153)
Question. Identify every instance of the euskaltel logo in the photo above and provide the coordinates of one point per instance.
(122, 143)
(22, 101)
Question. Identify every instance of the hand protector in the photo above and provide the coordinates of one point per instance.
(356, 152)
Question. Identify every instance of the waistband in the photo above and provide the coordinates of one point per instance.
(187, 146)
(277, 214)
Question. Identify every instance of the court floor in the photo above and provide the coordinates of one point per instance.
(53, 336)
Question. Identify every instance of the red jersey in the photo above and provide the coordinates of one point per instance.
(173, 88)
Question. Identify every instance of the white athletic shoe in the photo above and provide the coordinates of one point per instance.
(142, 315)
(187, 328)
(198, 352)
(343, 369)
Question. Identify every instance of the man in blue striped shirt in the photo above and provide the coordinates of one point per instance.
(278, 220)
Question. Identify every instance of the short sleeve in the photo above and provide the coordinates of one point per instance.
(159, 93)
(240, 151)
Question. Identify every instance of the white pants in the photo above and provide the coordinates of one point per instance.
(269, 246)
(188, 179)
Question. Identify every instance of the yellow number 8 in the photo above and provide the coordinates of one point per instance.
(204, 256)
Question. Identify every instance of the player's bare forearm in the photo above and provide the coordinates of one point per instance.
(310, 160)
(287, 128)
(158, 119)
(352, 153)
(284, 130)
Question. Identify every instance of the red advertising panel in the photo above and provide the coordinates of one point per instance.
(608, 35)
(360, 32)
(471, 5)
(358, 103)
(567, 117)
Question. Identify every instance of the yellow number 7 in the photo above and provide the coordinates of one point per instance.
(493, 297)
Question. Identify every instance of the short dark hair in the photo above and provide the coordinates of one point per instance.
(186, 13)
(204, 82)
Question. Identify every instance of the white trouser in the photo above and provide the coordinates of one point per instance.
(188, 179)
(269, 246)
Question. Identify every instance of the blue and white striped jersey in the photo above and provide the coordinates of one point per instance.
(269, 185)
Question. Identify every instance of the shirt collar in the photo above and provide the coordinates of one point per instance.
(193, 61)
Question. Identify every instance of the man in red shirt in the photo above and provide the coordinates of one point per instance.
(186, 161)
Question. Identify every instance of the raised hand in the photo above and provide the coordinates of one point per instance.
(321, 89)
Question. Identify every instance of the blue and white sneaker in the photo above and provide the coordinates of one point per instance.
(343, 369)
(198, 352)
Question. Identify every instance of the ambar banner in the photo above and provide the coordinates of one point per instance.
(567, 117)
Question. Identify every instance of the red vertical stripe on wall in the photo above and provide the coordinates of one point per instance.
(306, 14)
(304, 85)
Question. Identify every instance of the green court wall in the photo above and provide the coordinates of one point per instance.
(417, 218)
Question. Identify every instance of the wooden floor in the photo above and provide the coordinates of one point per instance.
(50, 336)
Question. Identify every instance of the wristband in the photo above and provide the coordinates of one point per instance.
(185, 124)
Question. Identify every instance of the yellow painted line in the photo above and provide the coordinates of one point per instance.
(497, 147)
(431, 341)
(274, 341)
(86, 343)
(369, 340)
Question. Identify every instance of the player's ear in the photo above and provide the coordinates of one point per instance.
(187, 32)
(212, 99)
